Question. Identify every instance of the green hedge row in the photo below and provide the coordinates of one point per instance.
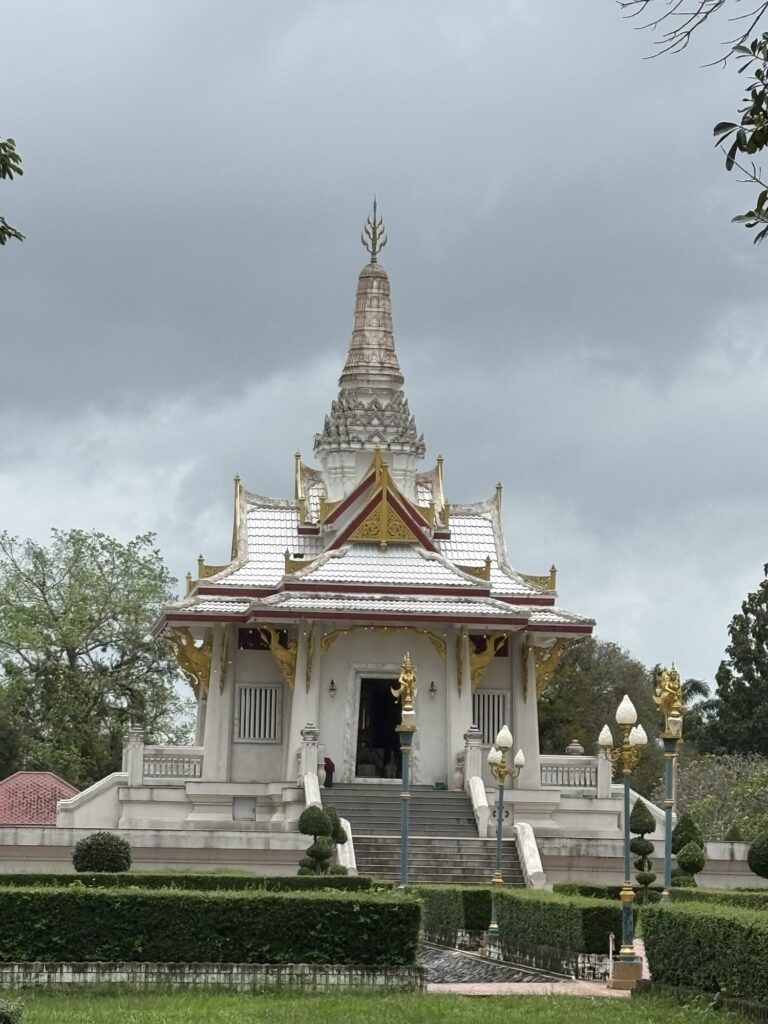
(455, 906)
(574, 923)
(528, 917)
(598, 892)
(171, 880)
(756, 899)
(708, 947)
(78, 923)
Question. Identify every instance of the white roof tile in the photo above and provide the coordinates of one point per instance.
(405, 565)
(483, 608)
(271, 529)
(473, 539)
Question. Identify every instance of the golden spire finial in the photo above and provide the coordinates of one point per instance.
(374, 236)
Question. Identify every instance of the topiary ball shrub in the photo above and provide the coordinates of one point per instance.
(10, 1013)
(683, 881)
(337, 869)
(314, 822)
(103, 851)
(338, 835)
(734, 834)
(692, 859)
(757, 856)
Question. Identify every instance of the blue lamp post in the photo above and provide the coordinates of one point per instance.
(497, 762)
(669, 698)
(405, 694)
(633, 739)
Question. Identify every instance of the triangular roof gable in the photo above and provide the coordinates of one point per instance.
(386, 518)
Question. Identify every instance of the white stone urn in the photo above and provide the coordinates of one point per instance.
(321, 775)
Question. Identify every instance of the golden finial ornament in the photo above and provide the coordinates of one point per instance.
(406, 692)
(374, 236)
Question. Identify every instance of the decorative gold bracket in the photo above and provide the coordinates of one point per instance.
(194, 660)
(548, 582)
(285, 656)
(480, 660)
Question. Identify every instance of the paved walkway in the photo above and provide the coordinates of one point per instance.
(467, 974)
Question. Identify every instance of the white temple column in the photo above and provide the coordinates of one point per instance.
(202, 706)
(301, 712)
(525, 712)
(458, 704)
(218, 715)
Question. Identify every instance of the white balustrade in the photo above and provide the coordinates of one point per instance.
(563, 771)
(173, 764)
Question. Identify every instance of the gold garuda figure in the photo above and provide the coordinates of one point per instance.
(406, 692)
(669, 693)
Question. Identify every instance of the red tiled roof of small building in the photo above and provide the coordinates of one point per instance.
(29, 798)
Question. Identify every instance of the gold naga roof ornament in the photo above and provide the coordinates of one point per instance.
(194, 661)
(374, 236)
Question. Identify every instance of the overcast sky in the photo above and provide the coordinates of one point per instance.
(574, 314)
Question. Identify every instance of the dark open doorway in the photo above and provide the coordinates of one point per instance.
(378, 744)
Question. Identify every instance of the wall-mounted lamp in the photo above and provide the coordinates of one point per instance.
(432, 689)
(332, 688)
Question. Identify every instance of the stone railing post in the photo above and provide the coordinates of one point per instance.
(473, 755)
(133, 756)
(604, 772)
(310, 734)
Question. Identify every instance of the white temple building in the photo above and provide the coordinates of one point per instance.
(292, 649)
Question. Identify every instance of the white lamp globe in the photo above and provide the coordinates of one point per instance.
(633, 736)
(504, 739)
(625, 712)
(641, 737)
(605, 739)
(494, 756)
(520, 759)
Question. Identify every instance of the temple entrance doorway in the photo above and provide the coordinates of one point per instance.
(378, 744)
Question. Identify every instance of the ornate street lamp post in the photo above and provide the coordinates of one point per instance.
(497, 761)
(669, 698)
(633, 739)
(406, 695)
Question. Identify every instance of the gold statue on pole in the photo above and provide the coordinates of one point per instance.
(406, 692)
(668, 696)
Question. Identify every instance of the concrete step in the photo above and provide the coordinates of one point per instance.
(438, 860)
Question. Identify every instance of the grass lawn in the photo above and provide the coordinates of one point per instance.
(220, 1008)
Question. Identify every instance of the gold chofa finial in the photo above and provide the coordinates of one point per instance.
(374, 236)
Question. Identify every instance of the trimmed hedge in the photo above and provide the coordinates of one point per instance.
(174, 926)
(751, 900)
(599, 892)
(710, 948)
(151, 880)
(454, 906)
(574, 923)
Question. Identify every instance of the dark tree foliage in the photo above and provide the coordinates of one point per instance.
(676, 21)
(582, 696)
(738, 714)
(10, 165)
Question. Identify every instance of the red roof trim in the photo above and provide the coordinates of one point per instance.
(272, 613)
(350, 498)
(416, 527)
(384, 588)
(555, 628)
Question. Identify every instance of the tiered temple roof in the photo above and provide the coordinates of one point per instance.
(374, 553)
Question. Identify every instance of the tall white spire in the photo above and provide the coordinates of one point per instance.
(371, 410)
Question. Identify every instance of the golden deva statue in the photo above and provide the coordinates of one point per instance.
(668, 694)
(406, 692)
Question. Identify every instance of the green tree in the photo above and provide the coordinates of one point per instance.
(583, 693)
(738, 714)
(78, 661)
(720, 792)
(676, 21)
(10, 164)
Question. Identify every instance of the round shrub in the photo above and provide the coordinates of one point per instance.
(641, 846)
(683, 881)
(102, 851)
(337, 869)
(338, 835)
(734, 834)
(757, 857)
(692, 859)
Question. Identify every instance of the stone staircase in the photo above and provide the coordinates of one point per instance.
(443, 841)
